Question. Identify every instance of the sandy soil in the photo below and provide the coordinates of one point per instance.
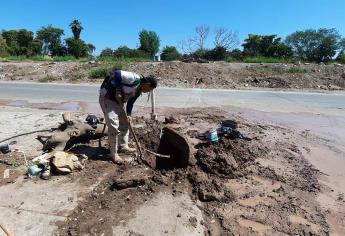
(192, 75)
(259, 180)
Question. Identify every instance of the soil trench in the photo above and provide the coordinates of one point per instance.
(253, 181)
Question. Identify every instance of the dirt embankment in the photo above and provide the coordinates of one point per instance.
(254, 181)
(191, 75)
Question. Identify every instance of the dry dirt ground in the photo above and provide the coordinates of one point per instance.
(192, 75)
(255, 181)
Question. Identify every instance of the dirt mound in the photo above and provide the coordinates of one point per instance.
(241, 191)
(227, 157)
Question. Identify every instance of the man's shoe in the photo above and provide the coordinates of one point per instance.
(117, 159)
(128, 150)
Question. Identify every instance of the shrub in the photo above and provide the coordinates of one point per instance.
(170, 53)
(76, 77)
(107, 69)
(295, 70)
(341, 58)
(64, 58)
(216, 54)
(100, 72)
(235, 55)
(264, 60)
(48, 78)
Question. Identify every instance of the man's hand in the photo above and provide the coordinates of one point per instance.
(118, 97)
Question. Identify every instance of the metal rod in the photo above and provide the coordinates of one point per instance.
(153, 105)
(157, 154)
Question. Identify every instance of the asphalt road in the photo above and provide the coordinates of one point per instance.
(269, 101)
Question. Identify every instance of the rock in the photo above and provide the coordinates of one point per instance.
(322, 86)
(343, 75)
(63, 162)
(193, 221)
(338, 65)
(306, 63)
(334, 87)
(127, 183)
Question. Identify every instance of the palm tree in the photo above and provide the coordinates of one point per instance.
(76, 28)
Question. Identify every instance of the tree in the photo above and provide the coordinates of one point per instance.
(24, 40)
(91, 48)
(216, 54)
(315, 45)
(126, 52)
(149, 42)
(3, 47)
(76, 28)
(201, 33)
(107, 52)
(341, 45)
(225, 38)
(10, 37)
(35, 47)
(236, 55)
(77, 47)
(265, 45)
(170, 53)
(51, 38)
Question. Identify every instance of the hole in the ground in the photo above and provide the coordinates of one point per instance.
(175, 145)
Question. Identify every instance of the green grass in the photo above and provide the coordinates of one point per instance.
(296, 70)
(44, 58)
(123, 59)
(76, 77)
(264, 60)
(107, 67)
(64, 58)
(48, 78)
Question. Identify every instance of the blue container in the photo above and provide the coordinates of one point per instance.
(213, 135)
(34, 170)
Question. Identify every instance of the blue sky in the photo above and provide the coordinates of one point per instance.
(113, 23)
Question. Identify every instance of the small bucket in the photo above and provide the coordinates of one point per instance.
(213, 135)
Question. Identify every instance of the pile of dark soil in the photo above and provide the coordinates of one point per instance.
(240, 195)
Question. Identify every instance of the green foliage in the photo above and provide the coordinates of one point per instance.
(266, 46)
(149, 42)
(100, 72)
(108, 68)
(170, 53)
(264, 60)
(107, 52)
(216, 54)
(77, 47)
(315, 45)
(91, 48)
(3, 47)
(20, 42)
(76, 28)
(125, 52)
(341, 57)
(51, 38)
(48, 78)
(76, 77)
(235, 55)
(35, 47)
(10, 37)
(64, 58)
(296, 70)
